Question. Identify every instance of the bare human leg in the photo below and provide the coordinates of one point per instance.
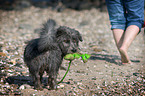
(118, 35)
(128, 37)
(123, 41)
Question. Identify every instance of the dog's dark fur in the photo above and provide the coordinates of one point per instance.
(46, 53)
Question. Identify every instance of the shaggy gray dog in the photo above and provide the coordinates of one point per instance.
(46, 52)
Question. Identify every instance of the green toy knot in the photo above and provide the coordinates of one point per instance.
(85, 57)
(77, 55)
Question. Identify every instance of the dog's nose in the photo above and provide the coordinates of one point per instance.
(74, 50)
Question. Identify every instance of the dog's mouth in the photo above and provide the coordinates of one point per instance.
(73, 51)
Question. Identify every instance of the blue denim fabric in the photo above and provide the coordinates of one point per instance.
(123, 13)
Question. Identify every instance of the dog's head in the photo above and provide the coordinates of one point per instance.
(68, 39)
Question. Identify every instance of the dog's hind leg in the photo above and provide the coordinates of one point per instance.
(37, 82)
(41, 73)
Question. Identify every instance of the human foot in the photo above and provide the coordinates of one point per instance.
(124, 56)
(127, 63)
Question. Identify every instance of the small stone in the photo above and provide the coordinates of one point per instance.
(24, 72)
(135, 74)
(13, 62)
(139, 78)
(25, 86)
(3, 54)
(22, 87)
(79, 83)
(94, 78)
(106, 66)
(60, 86)
(96, 49)
(25, 26)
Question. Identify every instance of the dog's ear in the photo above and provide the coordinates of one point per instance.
(80, 37)
(65, 30)
(60, 31)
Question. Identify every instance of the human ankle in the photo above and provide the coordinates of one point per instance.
(122, 49)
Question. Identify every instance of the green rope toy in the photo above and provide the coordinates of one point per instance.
(71, 57)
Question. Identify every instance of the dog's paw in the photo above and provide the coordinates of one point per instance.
(53, 87)
(39, 88)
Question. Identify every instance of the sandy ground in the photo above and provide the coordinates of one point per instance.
(103, 74)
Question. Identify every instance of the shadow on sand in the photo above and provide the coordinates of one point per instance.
(20, 80)
(110, 58)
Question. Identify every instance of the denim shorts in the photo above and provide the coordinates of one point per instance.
(123, 13)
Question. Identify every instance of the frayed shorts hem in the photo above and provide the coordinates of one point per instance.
(123, 26)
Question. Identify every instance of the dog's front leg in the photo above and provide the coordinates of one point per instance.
(37, 82)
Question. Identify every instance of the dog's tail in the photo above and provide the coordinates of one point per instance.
(47, 39)
(48, 27)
